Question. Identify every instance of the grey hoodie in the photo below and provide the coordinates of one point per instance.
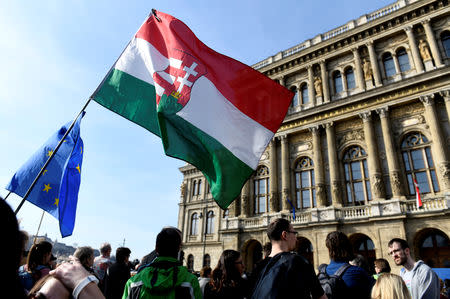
(422, 282)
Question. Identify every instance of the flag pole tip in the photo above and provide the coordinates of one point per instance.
(156, 16)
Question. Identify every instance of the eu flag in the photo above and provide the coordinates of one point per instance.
(56, 191)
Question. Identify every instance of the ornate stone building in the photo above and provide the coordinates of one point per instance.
(370, 116)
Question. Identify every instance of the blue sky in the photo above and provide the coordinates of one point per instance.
(55, 53)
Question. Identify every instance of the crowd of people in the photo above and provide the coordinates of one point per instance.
(282, 273)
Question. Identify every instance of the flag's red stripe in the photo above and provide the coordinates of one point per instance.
(257, 96)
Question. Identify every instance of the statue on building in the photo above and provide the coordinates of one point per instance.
(318, 86)
(367, 69)
(424, 50)
(183, 189)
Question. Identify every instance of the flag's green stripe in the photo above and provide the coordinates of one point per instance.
(225, 173)
(131, 98)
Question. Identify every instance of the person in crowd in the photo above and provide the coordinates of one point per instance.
(254, 275)
(357, 282)
(360, 261)
(118, 274)
(390, 286)
(37, 265)
(286, 275)
(147, 259)
(421, 280)
(11, 252)
(381, 266)
(102, 263)
(205, 277)
(226, 279)
(165, 277)
(85, 255)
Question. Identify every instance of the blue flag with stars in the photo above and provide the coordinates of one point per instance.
(56, 191)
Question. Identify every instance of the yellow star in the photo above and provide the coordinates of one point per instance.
(49, 153)
(78, 168)
(56, 202)
(46, 188)
(81, 149)
(45, 171)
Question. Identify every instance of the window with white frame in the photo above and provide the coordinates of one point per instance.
(403, 60)
(261, 190)
(305, 192)
(194, 224)
(304, 93)
(356, 176)
(350, 78)
(337, 82)
(210, 223)
(419, 165)
(389, 65)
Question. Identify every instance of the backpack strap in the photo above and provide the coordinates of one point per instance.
(341, 270)
(323, 269)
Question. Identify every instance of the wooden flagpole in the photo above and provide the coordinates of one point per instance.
(50, 158)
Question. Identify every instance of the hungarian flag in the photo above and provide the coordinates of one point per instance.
(418, 200)
(209, 110)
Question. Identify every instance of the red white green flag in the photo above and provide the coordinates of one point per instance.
(209, 110)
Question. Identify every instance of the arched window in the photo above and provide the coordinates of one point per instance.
(194, 224)
(261, 190)
(295, 100)
(305, 249)
(304, 184)
(350, 76)
(419, 165)
(364, 246)
(337, 80)
(403, 60)
(226, 214)
(445, 38)
(389, 66)
(356, 176)
(434, 248)
(194, 187)
(305, 95)
(210, 223)
(190, 262)
(206, 260)
(199, 187)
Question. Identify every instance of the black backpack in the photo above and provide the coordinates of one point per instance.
(333, 285)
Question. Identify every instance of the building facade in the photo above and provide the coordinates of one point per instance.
(369, 119)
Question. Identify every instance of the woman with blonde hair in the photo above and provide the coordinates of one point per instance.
(390, 286)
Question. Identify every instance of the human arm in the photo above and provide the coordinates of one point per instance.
(72, 274)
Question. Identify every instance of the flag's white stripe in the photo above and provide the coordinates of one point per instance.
(212, 113)
(140, 59)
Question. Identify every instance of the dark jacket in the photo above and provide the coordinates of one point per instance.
(115, 280)
(239, 291)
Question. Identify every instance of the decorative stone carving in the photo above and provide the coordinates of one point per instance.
(274, 206)
(336, 191)
(244, 205)
(445, 172)
(366, 116)
(424, 50)
(427, 100)
(395, 183)
(350, 136)
(321, 195)
(367, 69)
(377, 185)
(318, 86)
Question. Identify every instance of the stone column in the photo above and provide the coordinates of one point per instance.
(324, 75)
(391, 156)
(439, 147)
(245, 199)
(446, 95)
(414, 49)
(335, 182)
(311, 92)
(319, 175)
(373, 162)
(396, 64)
(285, 173)
(432, 42)
(374, 63)
(274, 206)
(358, 69)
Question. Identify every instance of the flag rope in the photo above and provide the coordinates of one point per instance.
(51, 157)
(7, 196)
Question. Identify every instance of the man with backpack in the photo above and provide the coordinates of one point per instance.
(286, 275)
(165, 277)
(339, 279)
